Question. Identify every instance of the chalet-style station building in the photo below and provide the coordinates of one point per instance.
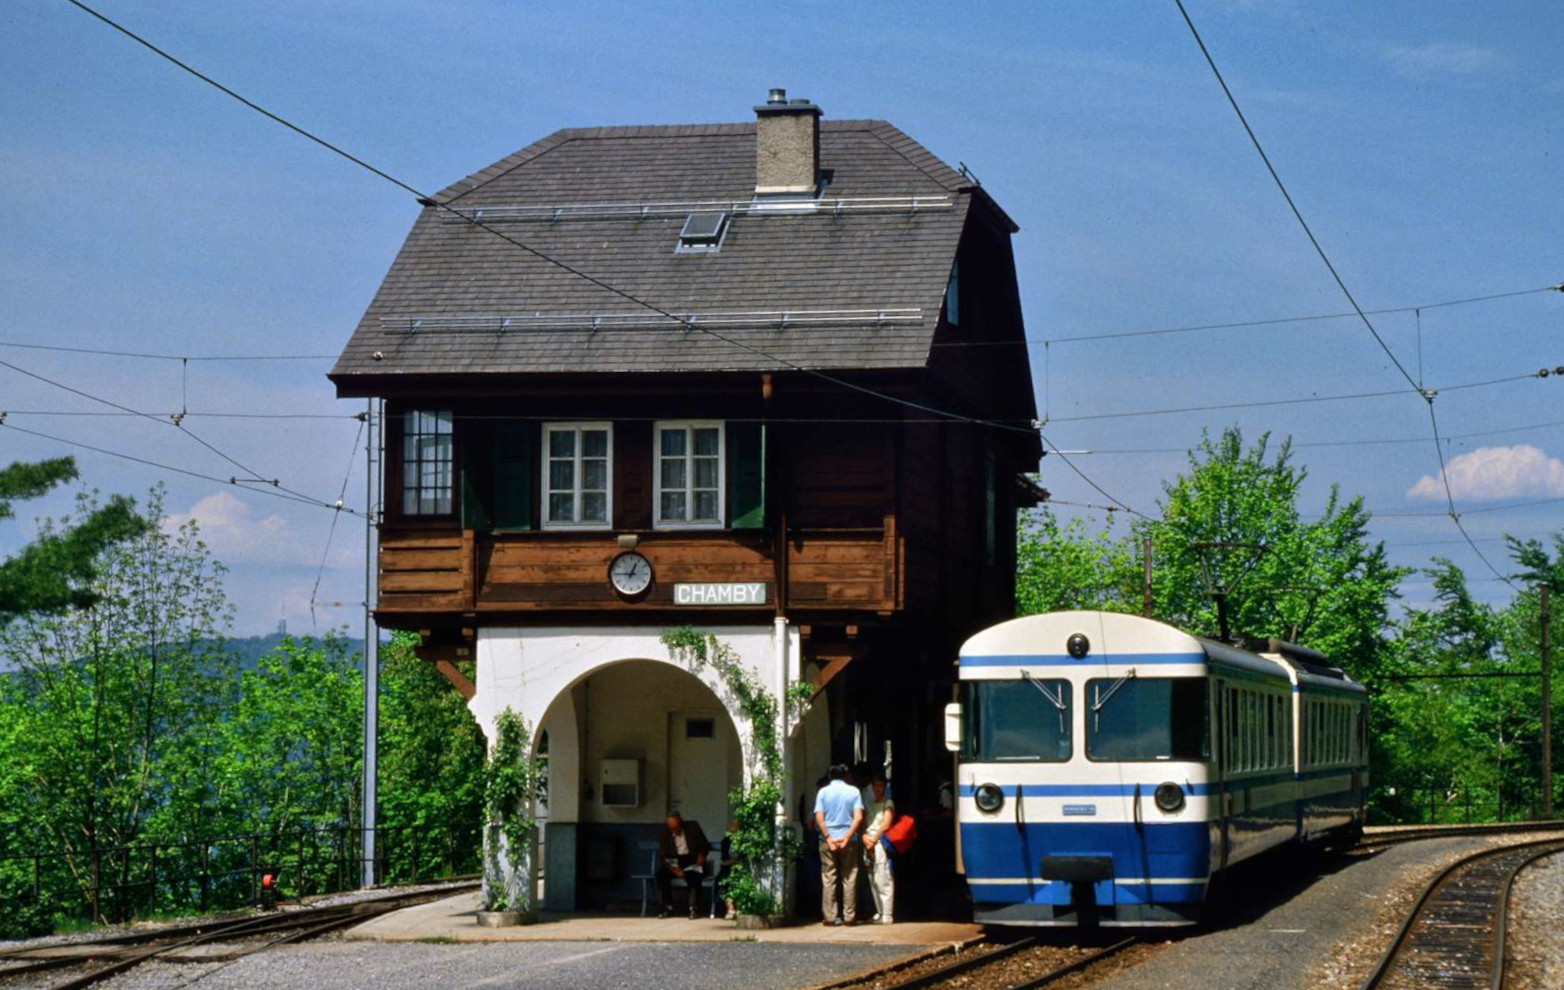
(721, 376)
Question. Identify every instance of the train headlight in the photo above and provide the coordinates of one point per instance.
(1169, 797)
(989, 798)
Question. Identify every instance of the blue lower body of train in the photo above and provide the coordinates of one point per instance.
(1149, 873)
(1154, 874)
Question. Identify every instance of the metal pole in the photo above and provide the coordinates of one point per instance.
(1145, 552)
(1547, 707)
(371, 640)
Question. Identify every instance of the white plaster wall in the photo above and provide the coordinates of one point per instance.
(627, 708)
(527, 668)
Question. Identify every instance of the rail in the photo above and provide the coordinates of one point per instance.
(104, 958)
(223, 872)
(1454, 935)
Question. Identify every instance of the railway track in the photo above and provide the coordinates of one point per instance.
(1454, 937)
(985, 970)
(215, 942)
(1414, 833)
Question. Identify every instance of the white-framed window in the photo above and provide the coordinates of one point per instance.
(689, 474)
(427, 481)
(578, 475)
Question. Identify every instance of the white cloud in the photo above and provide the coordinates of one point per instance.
(1443, 58)
(1490, 473)
(236, 534)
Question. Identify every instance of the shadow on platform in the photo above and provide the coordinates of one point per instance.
(454, 920)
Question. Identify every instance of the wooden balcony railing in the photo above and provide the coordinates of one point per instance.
(426, 571)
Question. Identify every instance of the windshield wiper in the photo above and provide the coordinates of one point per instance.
(1103, 696)
(1057, 701)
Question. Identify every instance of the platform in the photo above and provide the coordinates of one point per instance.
(453, 919)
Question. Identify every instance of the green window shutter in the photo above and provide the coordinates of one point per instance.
(476, 445)
(747, 475)
(515, 477)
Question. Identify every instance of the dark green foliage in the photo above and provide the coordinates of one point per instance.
(55, 571)
(1451, 747)
(128, 723)
(1321, 581)
(510, 793)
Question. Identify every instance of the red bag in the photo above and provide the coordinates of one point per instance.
(902, 833)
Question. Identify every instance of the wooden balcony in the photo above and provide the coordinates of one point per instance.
(425, 571)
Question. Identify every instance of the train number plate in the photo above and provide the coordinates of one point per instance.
(1080, 809)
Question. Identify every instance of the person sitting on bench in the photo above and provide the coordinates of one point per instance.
(681, 853)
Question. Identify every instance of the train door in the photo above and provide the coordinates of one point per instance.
(1221, 762)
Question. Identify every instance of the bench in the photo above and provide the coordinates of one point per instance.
(649, 878)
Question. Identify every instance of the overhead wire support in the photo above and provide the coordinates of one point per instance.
(158, 465)
(342, 495)
(253, 477)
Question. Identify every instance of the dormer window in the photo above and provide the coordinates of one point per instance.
(703, 233)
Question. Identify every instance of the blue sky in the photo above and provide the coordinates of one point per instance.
(149, 213)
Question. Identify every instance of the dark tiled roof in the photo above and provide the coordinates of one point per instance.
(819, 262)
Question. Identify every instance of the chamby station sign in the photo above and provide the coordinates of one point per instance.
(720, 593)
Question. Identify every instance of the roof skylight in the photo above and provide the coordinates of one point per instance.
(703, 232)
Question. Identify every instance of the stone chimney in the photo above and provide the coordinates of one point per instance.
(787, 146)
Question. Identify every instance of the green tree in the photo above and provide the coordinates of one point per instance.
(1230, 520)
(112, 707)
(56, 570)
(431, 748)
(292, 750)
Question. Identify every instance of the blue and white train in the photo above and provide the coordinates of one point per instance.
(1110, 766)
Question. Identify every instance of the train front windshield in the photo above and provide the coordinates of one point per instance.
(1016, 720)
(1154, 718)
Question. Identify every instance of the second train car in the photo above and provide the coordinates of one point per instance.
(1109, 766)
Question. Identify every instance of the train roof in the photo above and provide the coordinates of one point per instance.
(1117, 638)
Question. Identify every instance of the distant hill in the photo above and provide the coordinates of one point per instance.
(251, 648)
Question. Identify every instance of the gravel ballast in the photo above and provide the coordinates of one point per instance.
(1535, 953)
(1301, 924)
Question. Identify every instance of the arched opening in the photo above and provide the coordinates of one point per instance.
(628, 742)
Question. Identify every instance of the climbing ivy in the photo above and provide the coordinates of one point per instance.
(759, 847)
(510, 785)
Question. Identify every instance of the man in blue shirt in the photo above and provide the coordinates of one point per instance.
(839, 815)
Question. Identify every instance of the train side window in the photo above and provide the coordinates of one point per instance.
(1311, 737)
(1271, 756)
(1246, 712)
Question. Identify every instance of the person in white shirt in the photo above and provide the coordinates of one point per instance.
(879, 812)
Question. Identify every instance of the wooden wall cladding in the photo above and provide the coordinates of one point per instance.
(428, 572)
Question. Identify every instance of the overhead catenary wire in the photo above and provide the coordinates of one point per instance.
(1334, 443)
(1414, 384)
(174, 421)
(428, 201)
(1246, 324)
(1045, 341)
(173, 469)
(100, 352)
(1262, 403)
